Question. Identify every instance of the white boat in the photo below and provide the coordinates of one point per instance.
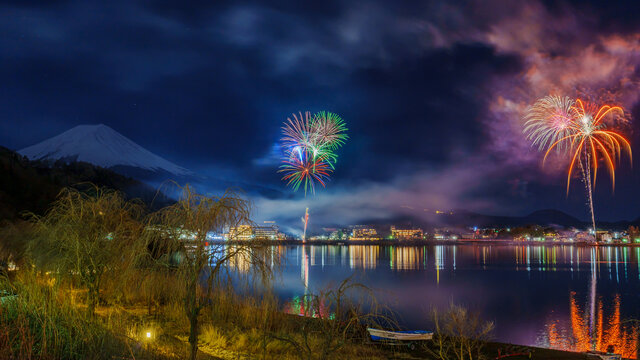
(603, 355)
(415, 335)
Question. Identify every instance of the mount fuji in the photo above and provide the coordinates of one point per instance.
(102, 146)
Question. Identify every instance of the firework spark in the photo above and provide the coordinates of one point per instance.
(548, 120)
(588, 139)
(329, 130)
(296, 131)
(305, 170)
(581, 131)
(309, 145)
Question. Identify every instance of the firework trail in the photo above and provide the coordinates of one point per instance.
(310, 145)
(580, 131)
(305, 221)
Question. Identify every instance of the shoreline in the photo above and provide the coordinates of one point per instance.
(385, 242)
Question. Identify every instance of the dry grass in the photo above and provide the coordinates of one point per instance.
(213, 337)
(125, 288)
(44, 322)
(40, 322)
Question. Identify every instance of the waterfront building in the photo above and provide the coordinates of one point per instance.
(364, 233)
(240, 232)
(268, 231)
(605, 236)
(445, 234)
(406, 234)
(584, 236)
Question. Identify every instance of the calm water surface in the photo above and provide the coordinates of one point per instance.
(563, 297)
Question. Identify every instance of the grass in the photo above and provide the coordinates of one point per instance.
(45, 322)
(40, 322)
(49, 321)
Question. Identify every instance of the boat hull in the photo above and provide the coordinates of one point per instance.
(418, 335)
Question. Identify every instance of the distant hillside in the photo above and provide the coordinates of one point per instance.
(27, 185)
(463, 218)
(540, 217)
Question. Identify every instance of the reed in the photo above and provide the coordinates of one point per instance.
(100, 279)
(41, 322)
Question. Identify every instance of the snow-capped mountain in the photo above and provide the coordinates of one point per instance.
(102, 146)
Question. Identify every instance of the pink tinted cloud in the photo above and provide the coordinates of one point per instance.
(560, 55)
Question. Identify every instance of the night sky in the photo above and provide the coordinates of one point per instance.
(432, 92)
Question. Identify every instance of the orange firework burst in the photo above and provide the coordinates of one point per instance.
(589, 140)
(581, 129)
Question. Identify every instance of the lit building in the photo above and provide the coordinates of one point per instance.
(268, 231)
(406, 234)
(364, 233)
(339, 234)
(240, 232)
(445, 234)
(584, 236)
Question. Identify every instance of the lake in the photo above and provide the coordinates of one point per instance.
(564, 297)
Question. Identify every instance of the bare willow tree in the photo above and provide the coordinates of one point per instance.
(459, 334)
(177, 239)
(86, 236)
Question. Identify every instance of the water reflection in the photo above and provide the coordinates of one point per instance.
(595, 329)
(363, 256)
(567, 297)
(308, 306)
(614, 262)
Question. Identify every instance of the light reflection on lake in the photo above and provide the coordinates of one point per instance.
(565, 297)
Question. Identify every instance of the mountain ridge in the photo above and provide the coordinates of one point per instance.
(31, 186)
(102, 146)
(465, 218)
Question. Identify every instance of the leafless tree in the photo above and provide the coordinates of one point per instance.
(459, 334)
(177, 238)
(86, 235)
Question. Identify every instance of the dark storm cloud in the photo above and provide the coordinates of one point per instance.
(432, 91)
